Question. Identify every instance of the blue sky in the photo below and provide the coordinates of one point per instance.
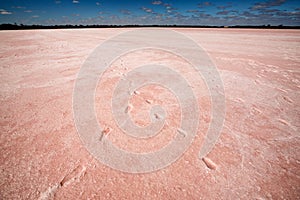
(185, 12)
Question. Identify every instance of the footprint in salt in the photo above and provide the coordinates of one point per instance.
(136, 92)
(158, 116)
(209, 163)
(105, 132)
(284, 122)
(182, 132)
(149, 101)
(128, 108)
(286, 98)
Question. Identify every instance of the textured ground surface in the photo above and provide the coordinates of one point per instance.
(256, 157)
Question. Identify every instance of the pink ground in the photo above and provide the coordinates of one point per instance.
(256, 157)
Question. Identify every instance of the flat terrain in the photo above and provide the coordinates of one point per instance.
(256, 157)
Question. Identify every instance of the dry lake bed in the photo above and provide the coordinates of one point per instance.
(256, 157)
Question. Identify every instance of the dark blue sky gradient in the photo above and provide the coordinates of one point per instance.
(180, 12)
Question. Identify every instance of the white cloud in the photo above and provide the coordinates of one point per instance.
(156, 2)
(18, 7)
(148, 10)
(75, 1)
(125, 12)
(5, 12)
(98, 4)
(28, 11)
(35, 16)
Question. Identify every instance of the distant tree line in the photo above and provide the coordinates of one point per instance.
(68, 26)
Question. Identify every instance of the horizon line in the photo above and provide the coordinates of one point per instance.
(15, 26)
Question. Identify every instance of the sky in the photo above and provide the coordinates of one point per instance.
(149, 12)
